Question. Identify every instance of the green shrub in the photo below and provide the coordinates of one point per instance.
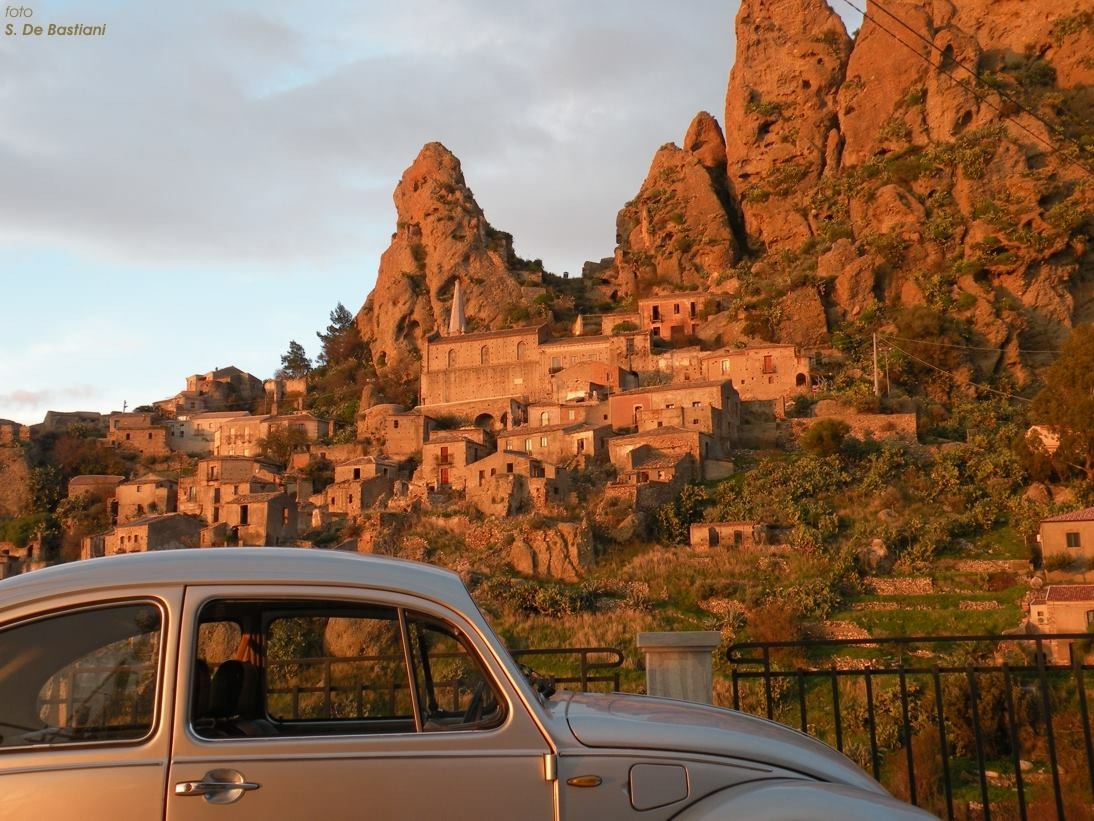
(825, 438)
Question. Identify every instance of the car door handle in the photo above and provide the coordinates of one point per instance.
(217, 787)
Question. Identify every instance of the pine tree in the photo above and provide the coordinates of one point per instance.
(294, 362)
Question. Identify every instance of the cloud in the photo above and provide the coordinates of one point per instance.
(32, 399)
(265, 135)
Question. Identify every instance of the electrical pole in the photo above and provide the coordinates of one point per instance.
(877, 390)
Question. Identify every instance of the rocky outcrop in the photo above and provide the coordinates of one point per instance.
(680, 227)
(563, 550)
(441, 235)
(781, 124)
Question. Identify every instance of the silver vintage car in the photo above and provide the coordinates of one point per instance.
(264, 683)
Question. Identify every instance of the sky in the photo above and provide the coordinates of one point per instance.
(210, 178)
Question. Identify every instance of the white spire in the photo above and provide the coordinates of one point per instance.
(457, 322)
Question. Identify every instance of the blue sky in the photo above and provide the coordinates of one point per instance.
(209, 179)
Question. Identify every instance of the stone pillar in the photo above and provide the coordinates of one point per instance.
(678, 664)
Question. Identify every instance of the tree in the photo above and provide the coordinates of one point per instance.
(826, 437)
(1066, 403)
(341, 341)
(282, 443)
(295, 362)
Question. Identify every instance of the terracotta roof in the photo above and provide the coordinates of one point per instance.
(1069, 592)
(1084, 515)
(531, 430)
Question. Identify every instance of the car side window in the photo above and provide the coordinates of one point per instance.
(305, 668)
(454, 691)
(89, 675)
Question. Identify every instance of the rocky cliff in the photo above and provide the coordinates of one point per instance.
(942, 157)
(441, 235)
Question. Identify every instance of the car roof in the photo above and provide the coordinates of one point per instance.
(235, 565)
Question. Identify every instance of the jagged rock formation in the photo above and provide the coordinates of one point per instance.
(781, 129)
(680, 229)
(441, 235)
(856, 178)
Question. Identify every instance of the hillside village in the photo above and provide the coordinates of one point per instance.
(811, 389)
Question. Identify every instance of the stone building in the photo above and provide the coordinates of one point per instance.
(485, 365)
(240, 436)
(738, 535)
(219, 479)
(1062, 608)
(446, 456)
(507, 483)
(137, 431)
(542, 414)
(647, 478)
(285, 393)
(223, 387)
(707, 454)
(671, 316)
(761, 372)
(625, 408)
(1068, 534)
(356, 497)
(169, 531)
(261, 519)
(195, 434)
(365, 467)
(145, 495)
(102, 486)
(558, 443)
(590, 381)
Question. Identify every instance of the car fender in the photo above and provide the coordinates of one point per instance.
(793, 800)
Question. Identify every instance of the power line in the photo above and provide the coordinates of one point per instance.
(957, 378)
(972, 72)
(966, 347)
(979, 96)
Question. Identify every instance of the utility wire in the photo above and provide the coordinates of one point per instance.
(957, 378)
(964, 347)
(979, 96)
(972, 72)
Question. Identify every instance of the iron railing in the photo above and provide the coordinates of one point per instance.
(960, 725)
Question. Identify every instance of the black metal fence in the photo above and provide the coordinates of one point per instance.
(964, 726)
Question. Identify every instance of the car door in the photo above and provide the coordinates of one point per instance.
(336, 703)
(84, 689)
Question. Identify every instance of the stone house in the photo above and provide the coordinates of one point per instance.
(145, 495)
(169, 531)
(181, 404)
(225, 387)
(366, 467)
(675, 316)
(762, 372)
(310, 425)
(196, 433)
(558, 443)
(629, 351)
(261, 519)
(706, 452)
(239, 436)
(1069, 534)
(446, 456)
(355, 497)
(590, 381)
(219, 479)
(739, 535)
(624, 408)
(647, 478)
(703, 417)
(284, 393)
(682, 364)
(507, 483)
(102, 486)
(542, 414)
(138, 432)
(1062, 608)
